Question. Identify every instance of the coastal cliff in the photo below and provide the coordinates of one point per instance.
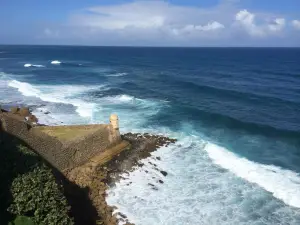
(85, 182)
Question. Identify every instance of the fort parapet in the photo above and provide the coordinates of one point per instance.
(66, 146)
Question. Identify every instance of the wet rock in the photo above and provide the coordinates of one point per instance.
(98, 180)
(122, 215)
(164, 173)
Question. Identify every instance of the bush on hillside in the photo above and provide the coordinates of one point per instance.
(28, 189)
(37, 194)
(22, 220)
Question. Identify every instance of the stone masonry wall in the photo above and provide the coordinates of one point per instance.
(60, 155)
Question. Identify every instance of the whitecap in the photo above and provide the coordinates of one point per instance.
(119, 98)
(55, 62)
(283, 184)
(32, 65)
(117, 75)
(58, 94)
(198, 191)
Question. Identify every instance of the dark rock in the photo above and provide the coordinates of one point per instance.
(164, 173)
(160, 181)
(122, 215)
(158, 158)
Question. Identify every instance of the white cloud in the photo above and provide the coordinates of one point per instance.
(296, 24)
(277, 25)
(51, 33)
(211, 26)
(248, 21)
(150, 15)
(161, 23)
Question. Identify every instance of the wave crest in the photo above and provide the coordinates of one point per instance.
(58, 94)
(116, 75)
(283, 184)
(55, 62)
(32, 65)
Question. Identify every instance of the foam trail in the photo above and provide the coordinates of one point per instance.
(31, 65)
(55, 62)
(197, 191)
(55, 94)
(117, 75)
(119, 98)
(283, 184)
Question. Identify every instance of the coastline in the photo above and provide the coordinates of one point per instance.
(85, 185)
(99, 178)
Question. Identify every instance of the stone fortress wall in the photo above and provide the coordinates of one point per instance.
(64, 147)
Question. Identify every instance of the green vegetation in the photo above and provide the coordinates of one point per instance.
(29, 193)
(22, 220)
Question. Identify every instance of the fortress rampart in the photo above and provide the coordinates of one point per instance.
(64, 147)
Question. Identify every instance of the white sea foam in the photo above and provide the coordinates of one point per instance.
(206, 183)
(196, 191)
(283, 184)
(119, 98)
(55, 62)
(133, 112)
(32, 65)
(58, 94)
(117, 75)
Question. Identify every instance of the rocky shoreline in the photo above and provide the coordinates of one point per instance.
(97, 179)
(85, 186)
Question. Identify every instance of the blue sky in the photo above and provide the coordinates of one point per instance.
(151, 23)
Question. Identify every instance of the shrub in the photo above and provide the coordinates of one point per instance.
(28, 189)
(36, 194)
(22, 220)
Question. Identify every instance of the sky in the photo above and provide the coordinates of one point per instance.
(201, 23)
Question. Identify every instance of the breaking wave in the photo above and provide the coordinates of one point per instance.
(55, 62)
(283, 184)
(117, 75)
(32, 65)
(58, 94)
(207, 191)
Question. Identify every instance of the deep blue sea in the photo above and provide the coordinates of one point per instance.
(234, 111)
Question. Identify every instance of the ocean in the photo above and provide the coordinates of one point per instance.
(234, 111)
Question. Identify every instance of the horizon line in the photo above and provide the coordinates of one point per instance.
(143, 46)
